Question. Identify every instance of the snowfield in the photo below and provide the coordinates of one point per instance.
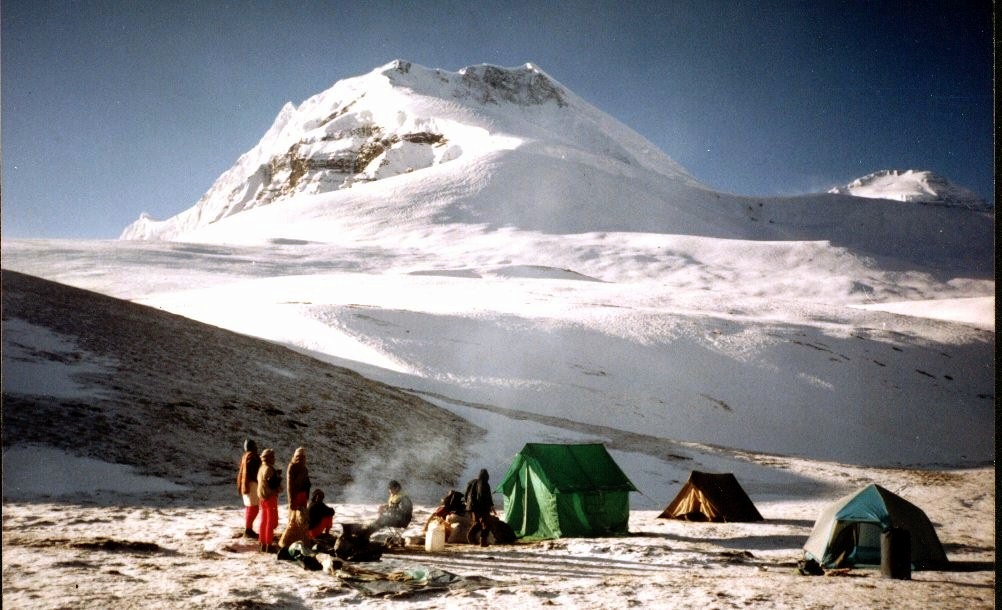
(417, 272)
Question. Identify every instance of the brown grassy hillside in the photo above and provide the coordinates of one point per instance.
(176, 398)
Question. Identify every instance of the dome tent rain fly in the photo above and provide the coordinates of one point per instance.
(847, 533)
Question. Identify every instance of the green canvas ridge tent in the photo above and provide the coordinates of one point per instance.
(847, 532)
(556, 491)
(715, 497)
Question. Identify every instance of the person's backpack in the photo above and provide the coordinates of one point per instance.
(453, 502)
(501, 531)
(475, 496)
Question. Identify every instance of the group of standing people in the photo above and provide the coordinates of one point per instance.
(260, 484)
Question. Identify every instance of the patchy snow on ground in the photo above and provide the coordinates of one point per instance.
(157, 550)
(39, 361)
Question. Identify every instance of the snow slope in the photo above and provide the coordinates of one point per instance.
(168, 395)
(684, 338)
(513, 261)
(84, 532)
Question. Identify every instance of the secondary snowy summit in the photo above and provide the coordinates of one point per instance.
(913, 186)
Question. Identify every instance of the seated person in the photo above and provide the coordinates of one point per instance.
(321, 516)
(397, 511)
(451, 504)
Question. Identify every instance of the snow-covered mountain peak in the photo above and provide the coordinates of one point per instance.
(912, 186)
(402, 118)
(406, 151)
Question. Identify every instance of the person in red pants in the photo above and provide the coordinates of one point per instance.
(269, 486)
(250, 462)
(297, 480)
(321, 516)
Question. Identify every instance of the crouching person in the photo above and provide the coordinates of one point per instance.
(449, 511)
(321, 516)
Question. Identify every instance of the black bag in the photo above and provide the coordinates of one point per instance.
(809, 567)
(370, 552)
(357, 550)
(354, 545)
(503, 533)
(453, 502)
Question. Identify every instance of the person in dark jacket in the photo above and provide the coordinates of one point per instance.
(321, 516)
(480, 505)
(250, 462)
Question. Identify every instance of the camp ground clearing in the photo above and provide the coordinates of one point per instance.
(158, 549)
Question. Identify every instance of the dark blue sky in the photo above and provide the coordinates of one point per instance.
(110, 108)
